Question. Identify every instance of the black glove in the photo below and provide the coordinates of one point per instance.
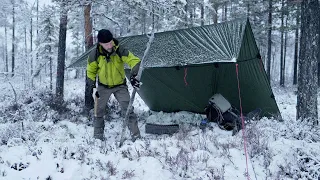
(135, 82)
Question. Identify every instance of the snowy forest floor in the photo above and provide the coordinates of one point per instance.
(56, 142)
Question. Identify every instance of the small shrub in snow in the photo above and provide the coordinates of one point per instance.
(202, 143)
(309, 163)
(304, 162)
(20, 166)
(147, 151)
(77, 101)
(126, 154)
(55, 153)
(35, 106)
(138, 152)
(180, 163)
(41, 106)
(3, 173)
(12, 114)
(65, 151)
(108, 167)
(59, 168)
(100, 165)
(184, 132)
(214, 140)
(89, 161)
(49, 100)
(35, 154)
(170, 160)
(8, 132)
(14, 142)
(258, 146)
(203, 157)
(112, 170)
(304, 165)
(302, 130)
(287, 170)
(147, 144)
(128, 174)
(226, 151)
(257, 141)
(81, 153)
(183, 162)
(216, 174)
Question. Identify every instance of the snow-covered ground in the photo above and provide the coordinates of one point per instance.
(40, 140)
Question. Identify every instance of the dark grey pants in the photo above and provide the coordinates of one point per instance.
(121, 93)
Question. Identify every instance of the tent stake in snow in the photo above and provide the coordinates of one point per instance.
(133, 94)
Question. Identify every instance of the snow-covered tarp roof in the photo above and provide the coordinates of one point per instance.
(198, 45)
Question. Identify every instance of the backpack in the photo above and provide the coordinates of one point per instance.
(220, 111)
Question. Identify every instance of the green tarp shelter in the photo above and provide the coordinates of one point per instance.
(185, 67)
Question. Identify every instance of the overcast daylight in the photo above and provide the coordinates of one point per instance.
(159, 90)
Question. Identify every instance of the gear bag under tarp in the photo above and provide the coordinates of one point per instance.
(220, 111)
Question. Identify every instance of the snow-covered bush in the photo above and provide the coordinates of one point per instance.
(302, 160)
(128, 174)
(216, 174)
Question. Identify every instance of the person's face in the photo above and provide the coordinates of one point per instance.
(107, 46)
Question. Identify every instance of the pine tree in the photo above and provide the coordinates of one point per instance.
(48, 39)
(77, 30)
(5, 24)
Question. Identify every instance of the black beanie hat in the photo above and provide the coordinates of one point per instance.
(104, 36)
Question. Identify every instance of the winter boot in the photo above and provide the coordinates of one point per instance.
(133, 127)
(98, 131)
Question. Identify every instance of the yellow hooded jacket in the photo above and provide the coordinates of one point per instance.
(110, 70)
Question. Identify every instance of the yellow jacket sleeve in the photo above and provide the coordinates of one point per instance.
(128, 57)
(131, 59)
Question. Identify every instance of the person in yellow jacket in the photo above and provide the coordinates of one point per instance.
(106, 62)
